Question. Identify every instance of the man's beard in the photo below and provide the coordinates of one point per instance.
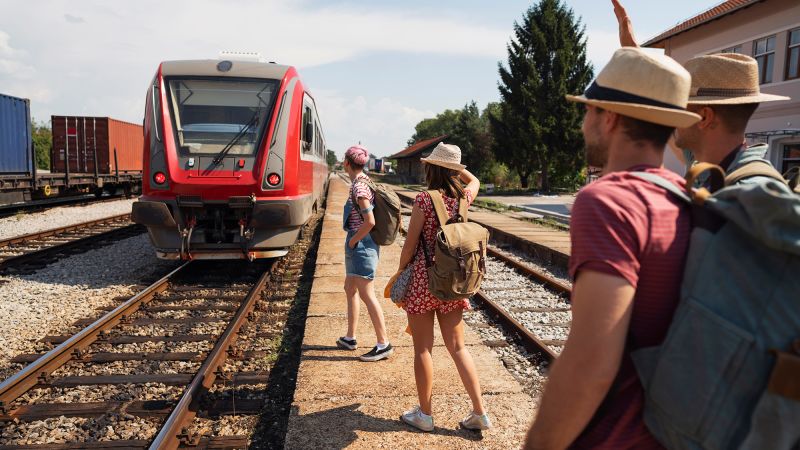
(596, 154)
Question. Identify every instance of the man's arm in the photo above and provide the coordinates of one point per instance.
(626, 37)
(583, 373)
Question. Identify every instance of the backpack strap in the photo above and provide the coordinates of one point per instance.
(463, 208)
(438, 206)
(662, 182)
(756, 168)
(792, 176)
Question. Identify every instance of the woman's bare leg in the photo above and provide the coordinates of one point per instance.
(366, 290)
(422, 335)
(351, 292)
(452, 327)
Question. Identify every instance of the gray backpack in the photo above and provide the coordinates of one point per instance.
(728, 372)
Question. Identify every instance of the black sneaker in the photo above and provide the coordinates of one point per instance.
(377, 355)
(347, 344)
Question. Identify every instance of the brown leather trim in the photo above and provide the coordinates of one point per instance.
(723, 92)
(785, 377)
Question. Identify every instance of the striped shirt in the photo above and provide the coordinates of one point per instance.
(358, 189)
(625, 226)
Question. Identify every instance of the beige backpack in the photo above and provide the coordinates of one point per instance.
(460, 253)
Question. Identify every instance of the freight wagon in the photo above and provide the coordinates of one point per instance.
(79, 142)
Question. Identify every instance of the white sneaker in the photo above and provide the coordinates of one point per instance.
(476, 422)
(418, 419)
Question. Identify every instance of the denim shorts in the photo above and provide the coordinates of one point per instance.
(362, 260)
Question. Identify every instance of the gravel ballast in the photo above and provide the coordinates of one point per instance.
(48, 301)
(62, 216)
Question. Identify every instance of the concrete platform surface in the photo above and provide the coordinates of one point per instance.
(341, 402)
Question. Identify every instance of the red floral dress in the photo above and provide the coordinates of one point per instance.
(418, 299)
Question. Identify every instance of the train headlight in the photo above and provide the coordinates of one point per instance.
(159, 178)
(273, 179)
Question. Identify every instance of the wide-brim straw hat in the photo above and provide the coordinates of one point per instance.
(445, 155)
(649, 87)
(726, 79)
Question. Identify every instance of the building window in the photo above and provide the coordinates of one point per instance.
(793, 55)
(764, 53)
(791, 157)
(734, 49)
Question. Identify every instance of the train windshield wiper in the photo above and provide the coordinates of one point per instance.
(250, 124)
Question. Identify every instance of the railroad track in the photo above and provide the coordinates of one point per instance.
(40, 205)
(538, 312)
(187, 342)
(35, 250)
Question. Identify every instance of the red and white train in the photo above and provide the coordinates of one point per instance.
(234, 160)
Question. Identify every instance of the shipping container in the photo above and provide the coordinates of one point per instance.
(16, 153)
(116, 145)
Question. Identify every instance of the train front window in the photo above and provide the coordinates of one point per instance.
(210, 115)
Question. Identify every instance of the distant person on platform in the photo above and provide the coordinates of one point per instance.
(629, 244)
(361, 256)
(725, 93)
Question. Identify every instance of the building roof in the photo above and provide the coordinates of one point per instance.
(714, 13)
(418, 147)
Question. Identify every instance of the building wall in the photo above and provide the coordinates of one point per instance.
(768, 18)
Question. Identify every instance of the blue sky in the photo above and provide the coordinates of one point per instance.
(375, 67)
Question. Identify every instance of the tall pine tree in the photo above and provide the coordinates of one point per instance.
(536, 129)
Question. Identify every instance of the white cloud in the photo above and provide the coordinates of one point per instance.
(11, 64)
(382, 125)
(102, 65)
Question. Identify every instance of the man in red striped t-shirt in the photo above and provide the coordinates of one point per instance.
(629, 243)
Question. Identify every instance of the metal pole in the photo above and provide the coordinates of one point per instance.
(66, 154)
(94, 138)
(116, 166)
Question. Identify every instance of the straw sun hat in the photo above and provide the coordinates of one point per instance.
(649, 87)
(445, 155)
(726, 79)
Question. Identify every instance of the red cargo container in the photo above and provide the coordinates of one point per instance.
(114, 144)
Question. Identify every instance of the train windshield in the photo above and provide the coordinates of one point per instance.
(210, 114)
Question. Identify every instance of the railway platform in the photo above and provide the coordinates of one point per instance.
(547, 244)
(341, 402)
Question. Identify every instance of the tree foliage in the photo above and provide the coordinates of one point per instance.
(468, 128)
(331, 159)
(535, 129)
(42, 141)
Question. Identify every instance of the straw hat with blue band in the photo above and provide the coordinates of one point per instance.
(650, 87)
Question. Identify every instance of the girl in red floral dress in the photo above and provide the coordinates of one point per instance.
(444, 173)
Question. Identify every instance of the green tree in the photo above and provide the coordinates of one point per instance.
(444, 123)
(468, 128)
(42, 141)
(331, 159)
(535, 129)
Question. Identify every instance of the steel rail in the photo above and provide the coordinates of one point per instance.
(53, 248)
(38, 371)
(528, 339)
(525, 269)
(173, 432)
(59, 230)
(40, 205)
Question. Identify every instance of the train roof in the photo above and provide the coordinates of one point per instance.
(209, 67)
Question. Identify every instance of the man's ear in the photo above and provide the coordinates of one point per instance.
(708, 119)
(610, 122)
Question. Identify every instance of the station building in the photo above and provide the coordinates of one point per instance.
(769, 31)
(407, 164)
